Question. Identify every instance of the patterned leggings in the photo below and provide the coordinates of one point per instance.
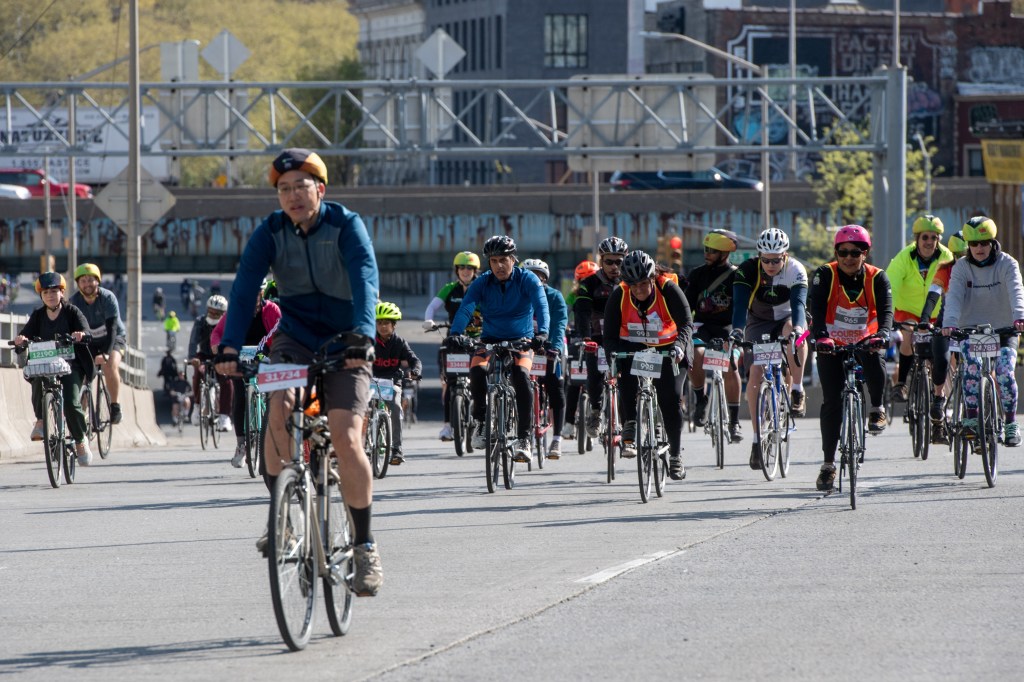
(1004, 379)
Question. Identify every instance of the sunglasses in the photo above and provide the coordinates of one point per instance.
(610, 261)
(711, 252)
(929, 237)
(986, 242)
(849, 253)
(771, 261)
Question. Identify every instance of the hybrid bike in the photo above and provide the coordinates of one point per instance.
(650, 439)
(501, 423)
(378, 436)
(775, 423)
(717, 356)
(255, 411)
(96, 405)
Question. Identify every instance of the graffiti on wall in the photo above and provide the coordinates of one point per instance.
(997, 65)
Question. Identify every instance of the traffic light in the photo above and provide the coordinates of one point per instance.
(675, 243)
(664, 253)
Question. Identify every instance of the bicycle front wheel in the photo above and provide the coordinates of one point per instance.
(292, 559)
(961, 448)
(492, 447)
(85, 398)
(718, 414)
(337, 537)
(582, 410)
(611, 445)
(917, 406)
(508, 465)
(104, 427)
(70, 461)
(254, 434)
(988, 429)
(768, 426)
(212, 396)
(205, 416)
(459, 419)
(854, 442)
(645, 445)
(787, 424)
(53, 437)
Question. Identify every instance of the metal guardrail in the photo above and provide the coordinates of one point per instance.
(133, 366)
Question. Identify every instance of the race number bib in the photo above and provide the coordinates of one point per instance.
(716, 360)
(577, 371)
(457, 363)
(41, 351)
(278, 376)
(767, 354)
(383, 389)
(646, 364)
(602, 360)
(984, 345)
(922, 337)
(540, 365)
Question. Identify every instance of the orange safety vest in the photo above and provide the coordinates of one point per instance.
(656, 329)
(850, 321)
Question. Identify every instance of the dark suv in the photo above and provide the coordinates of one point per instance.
(711, 178)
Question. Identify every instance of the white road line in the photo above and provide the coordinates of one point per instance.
(609, 573)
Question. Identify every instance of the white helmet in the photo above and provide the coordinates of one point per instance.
(772, 240)
(537, 265)
(217, 302)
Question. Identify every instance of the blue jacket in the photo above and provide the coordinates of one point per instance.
(327, 278)
(508, 307)
(559, 312)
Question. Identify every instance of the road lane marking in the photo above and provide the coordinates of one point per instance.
(609, 573)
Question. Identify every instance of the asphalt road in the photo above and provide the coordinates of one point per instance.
(145, 569)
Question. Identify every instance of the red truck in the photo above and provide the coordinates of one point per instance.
(35, 180)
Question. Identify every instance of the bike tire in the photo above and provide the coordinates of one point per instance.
(853, 426)
(988, 428)
(53, 437)
(582, 410)
(204, 416)
(491, 445)
(256, 465)
(787, 423)
(85, 399)
(645, 446)
(457, 407)
(610, 444)
(689, 405)
(337, 535)
(767, 426)
(70, 461)
(508, 465)
(214, 400)
(887, 399)
(719, 411)
(253, 437)
(292, 560)
(384, 441)
(958, 444)
(104, 427)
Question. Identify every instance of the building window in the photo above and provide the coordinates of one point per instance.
(565, 41)
(975, 164)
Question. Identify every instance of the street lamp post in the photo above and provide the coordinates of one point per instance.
(927, 172)
(756, 70)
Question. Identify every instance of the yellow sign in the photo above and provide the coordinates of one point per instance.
(1004, 161)
(1017, 8)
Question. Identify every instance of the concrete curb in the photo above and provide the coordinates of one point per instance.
(138, 427)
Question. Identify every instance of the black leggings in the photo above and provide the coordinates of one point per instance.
(553, 384)
(832, 376)
(669, 388)
(940, 359)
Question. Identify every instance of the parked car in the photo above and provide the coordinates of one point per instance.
(35, 181)
(712, 178)
(14, 192)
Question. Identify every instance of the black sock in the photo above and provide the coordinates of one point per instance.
(698, 393)
(734, 414)
(361, 525)
(906, 361)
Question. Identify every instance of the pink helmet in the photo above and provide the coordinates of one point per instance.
(852, 233)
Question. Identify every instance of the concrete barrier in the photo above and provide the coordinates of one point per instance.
(138, 427)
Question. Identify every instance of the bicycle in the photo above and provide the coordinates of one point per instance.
(578, 375)
(459, 415)
(651, 442)
(49, 361)
(610, 432)
(980, 342)
(919, 391)
(501, 419)
(97, 413)
(378, 437)
(207, 402)
(410, 398)
(541, 407)
(172, 341)
(851, 425)
(255, 412)
(775, 420)
(308, 528)
(717, 354)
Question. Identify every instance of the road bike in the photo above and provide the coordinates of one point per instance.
(378, 437)
(208, 400)
(775, 422)
(578, 375)
(650, 437)
(255, 410)
(48, 361)
(717, 356)
(541, 406)
(919, 391)
(96, 405)
(851, 425)
(980, 343)
(501, 423)
(610, 431)
(308, 530)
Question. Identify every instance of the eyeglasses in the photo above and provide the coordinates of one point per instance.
(985, 242)
(928, 237)
(465, 267)
(610, 261)
(298, 187)
(711, 252)
(771, 261)
(849, 253)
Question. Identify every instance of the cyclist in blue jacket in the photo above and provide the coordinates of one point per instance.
(509, 299)
(555, 348)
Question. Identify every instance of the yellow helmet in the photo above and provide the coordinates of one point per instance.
(466, 258)
(979, 228)
(928, 223)
(388, 311)
(87, 269)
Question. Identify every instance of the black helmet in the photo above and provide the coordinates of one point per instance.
(612, 245)
(636, 267)
(499, 245)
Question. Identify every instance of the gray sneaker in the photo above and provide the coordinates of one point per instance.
(239, 457)
(523, 451)
(593, 423)
(84, 454)
(479, 440)
(369, 575)
(555, 450)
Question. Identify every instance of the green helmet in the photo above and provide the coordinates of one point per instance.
(957, 244)
(979, 228)
(87, 269)
(388, 311)
(928, 223)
